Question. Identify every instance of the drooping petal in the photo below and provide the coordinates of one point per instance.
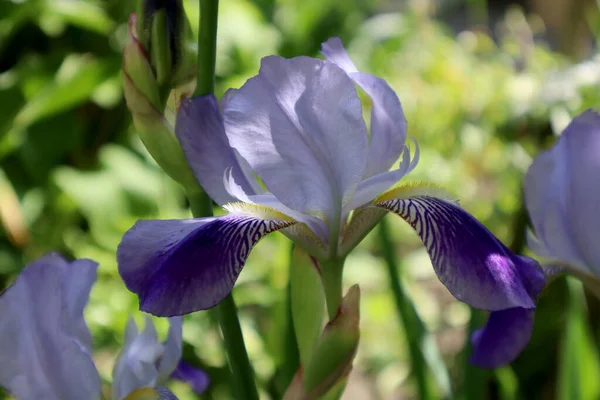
(180, 266)
(388, 124)
(299, 125)
(201, 133)
(468, 259)
(195, 377)
(503, 337)
(41, 354)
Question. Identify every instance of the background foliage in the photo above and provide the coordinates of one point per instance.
(484, 89)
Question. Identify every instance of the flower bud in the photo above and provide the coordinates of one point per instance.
(143, 96)
(163, 31)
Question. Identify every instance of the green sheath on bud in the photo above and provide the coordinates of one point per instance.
(332, 358)
(308, 302)
(144, 100)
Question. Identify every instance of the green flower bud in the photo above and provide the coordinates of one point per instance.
(143, 97)
(164, 32)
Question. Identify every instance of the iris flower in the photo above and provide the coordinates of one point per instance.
(45, 344)
(562, 194)
(290, 151)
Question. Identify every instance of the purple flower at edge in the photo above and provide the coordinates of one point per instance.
(46, 346)
(298, 125)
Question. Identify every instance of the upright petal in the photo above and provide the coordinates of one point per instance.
(581, 143)
(503, 338)
(546, 192)
(468, 259)
(201, 133)
(136, 365)
(388, 124)
(299, 125)
(180, 266)
(172, 349)
(42, 315)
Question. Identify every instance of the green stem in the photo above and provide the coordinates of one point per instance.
(331, 274)
(413, 327)
(242, 373)
(207, 47)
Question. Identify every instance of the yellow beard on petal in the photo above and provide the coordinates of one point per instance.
(256, 210)
(415, 190)
(143, 394)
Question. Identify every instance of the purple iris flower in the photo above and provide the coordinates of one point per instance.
(562, 194)
(325, 182)
(45, 344)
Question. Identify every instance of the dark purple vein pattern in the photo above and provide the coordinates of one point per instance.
(180, 266)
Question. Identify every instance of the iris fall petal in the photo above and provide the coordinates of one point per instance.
(502, 339)
(181, 266)
(468, 259)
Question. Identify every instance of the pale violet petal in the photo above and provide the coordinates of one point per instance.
(388, 124)
(299, 125)
(334, 51)
(200, 131)
(372, 187)
(468, 259)
(172, 349)
(42, 314)
(180, 266)
(136, 365)
(545, 187)
(580, 144)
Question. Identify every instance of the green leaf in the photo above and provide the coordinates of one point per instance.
(579, 364)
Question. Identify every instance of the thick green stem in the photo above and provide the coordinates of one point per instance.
(207, 47)
(331, 274)
(242, 373)
(413, 327)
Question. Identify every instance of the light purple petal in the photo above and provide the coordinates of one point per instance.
(546, 186)
(180, 266)
(372, 187)
(299, 125)
(581, 145)
(388, 124)
(200, 131)
(42, 314)
(172, 349)
(136, 365)
(468, 259)
(503, 338)
(195, 377)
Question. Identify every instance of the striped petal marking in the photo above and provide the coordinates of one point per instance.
(180, 266)
(468, 259)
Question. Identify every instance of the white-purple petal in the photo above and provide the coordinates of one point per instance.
(299, 125)
(43, 336)
(201, 133)
(468, 259)
(180, 266)
(196, 378)
(388, 124)
(503, 337)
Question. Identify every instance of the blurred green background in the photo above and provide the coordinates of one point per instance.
(485, 86)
